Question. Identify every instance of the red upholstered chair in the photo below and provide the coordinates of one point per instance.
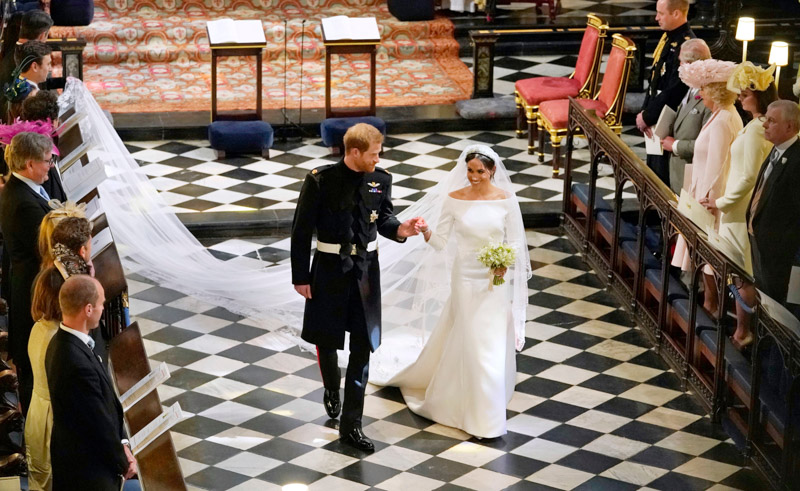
(607, 103)
(531, 92)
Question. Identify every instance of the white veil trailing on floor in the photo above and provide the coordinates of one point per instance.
(154, 243)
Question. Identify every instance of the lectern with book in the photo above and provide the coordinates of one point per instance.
(228, 37)
(348, 35)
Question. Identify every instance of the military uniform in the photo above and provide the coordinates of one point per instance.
(348, 210)
(665, 89)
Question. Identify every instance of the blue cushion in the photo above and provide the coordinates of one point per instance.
(240, 136)
(412, 10)
(676, 288)
(332, 130)
(739, 369)
(631, 249)
(702, 320)
(72, 12)
(581, 191)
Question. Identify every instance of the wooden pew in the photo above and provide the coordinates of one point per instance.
(159, 468)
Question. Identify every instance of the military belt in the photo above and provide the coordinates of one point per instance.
(335, 248)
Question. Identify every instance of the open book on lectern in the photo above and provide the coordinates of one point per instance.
(229, 31)
(344, 28)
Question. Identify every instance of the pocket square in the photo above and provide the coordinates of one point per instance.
(695, 111)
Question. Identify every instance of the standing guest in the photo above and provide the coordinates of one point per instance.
(33, 65)
(39, 422)
(692, 115)
(347, 204)
(712, 152)
(756, 92)
(43, 106)
(23, 205)
(89, 447)
(773, 216)
(666, 88)
(34, 26)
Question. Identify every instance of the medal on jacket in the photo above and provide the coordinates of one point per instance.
(373, 187)
(373, 216)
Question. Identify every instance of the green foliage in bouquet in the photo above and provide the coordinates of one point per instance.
(497, 255)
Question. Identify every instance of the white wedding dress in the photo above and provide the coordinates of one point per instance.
(466, 372)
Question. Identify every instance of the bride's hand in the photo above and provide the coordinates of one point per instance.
(499, 272)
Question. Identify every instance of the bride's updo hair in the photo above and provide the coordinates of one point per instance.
(487, 162)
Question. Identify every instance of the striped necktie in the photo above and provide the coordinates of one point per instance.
(773, 157)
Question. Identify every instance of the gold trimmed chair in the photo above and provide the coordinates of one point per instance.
(531, 92)
(553, 115)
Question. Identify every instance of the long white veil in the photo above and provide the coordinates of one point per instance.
(154, 243)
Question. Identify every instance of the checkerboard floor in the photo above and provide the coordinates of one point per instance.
(190, 180)
(594, 407)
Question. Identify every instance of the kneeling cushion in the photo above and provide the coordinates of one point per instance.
(240, 136)
(332, 130)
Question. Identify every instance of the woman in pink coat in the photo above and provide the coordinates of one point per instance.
(712, 151)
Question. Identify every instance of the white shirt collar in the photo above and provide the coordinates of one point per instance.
(30, 182)
(780, 149)
(82, 336)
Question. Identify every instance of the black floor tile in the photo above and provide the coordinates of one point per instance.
(290, 473)
(515, 465)
(673, 480)
(194, 402)
(264, 399)
(281, 449)
(406, 417)
(661, 457)
(625, 407)
(591, 361)
(609, 384)
(429, 443)
(207, 452)
(200, 427)
(242, 332)
(555, 411)
(441, 469)
(255, 375)
(571, 435)
(188, 379)
(216, 478)
(178, 356)
(599, 483)
(366, 473)
(643, 432)
(541, 387)
(170, 335)
(586, 461)
(272, 424)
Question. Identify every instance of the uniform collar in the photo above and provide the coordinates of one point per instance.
(678, 30)
(350, 173)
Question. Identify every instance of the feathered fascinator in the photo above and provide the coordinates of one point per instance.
(747, 76)
(704, 72)
(19, 88)
(67, 209)
(9, 131)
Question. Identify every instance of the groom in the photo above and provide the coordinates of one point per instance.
(348, 204)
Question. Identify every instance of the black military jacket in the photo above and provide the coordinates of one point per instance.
(347, 208)
(666, 87)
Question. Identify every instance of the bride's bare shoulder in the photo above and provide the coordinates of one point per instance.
(499, 193)
(459, 193)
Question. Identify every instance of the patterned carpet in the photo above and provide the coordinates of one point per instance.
(153, 56)
(594, 407)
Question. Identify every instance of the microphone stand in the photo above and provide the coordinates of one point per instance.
(289, 131)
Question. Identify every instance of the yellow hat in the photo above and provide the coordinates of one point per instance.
(747, 76)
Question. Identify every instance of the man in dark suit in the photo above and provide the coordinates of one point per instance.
(348, 204)
(35, 25)
(773, 216)
(88, 446)
(42, 106)
(23, 204)
(666, 88)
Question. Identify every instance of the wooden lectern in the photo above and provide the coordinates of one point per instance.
(253, 46)
(338, 46)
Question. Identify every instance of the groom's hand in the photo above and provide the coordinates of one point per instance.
(304, 290)
(408, 228)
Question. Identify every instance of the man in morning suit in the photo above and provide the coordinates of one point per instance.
(666, 88)
(348, 204)
(23, 204)
(773, 216)
(692, 115)
(88, 446)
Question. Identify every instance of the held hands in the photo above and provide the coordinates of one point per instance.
(642, 125)
(710, 205)
(132, 467)
(499, 272)
(667, 143)
(410, 227)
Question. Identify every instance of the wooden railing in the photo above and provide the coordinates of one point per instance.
(755, 394)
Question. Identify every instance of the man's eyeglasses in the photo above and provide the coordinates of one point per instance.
(53, 160)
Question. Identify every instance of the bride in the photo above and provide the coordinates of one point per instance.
(466, 371)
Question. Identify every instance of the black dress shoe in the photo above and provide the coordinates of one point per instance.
(332, 403)
(357, 439)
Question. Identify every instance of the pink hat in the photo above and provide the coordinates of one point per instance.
(704, 72)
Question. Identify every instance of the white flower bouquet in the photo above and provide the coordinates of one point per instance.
(497, 255)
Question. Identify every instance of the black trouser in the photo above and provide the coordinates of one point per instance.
(660, 165)
(25, 378)
(355, 381)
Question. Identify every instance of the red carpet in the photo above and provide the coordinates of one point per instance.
(153, 56)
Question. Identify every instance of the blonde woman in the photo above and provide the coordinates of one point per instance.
(59, 212)
(712, 155)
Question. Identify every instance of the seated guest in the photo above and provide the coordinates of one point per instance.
(756, 92)
(23, 205)
(68, 209)
(692, 115)
(33, 65)
(773, 215)
(39, 422)
(72, 243)
(712, 152)
(43, 106)
(88, 447)
(34, 26)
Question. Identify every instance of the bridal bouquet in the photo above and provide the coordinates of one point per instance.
(496, 255)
